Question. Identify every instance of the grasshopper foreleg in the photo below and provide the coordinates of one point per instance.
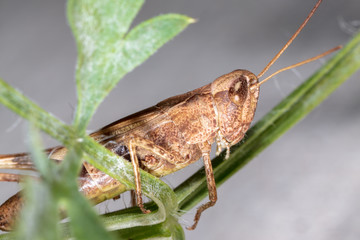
(210, 184)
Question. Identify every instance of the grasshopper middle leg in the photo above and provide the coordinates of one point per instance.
(158, 151)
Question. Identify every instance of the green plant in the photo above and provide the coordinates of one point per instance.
(107, 50)
(110, 57)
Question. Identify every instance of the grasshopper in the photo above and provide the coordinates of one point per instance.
(167, 137)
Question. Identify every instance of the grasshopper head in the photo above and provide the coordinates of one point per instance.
(235, 98)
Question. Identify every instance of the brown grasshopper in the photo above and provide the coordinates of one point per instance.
(166, 137)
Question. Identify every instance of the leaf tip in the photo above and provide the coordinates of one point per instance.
(192, 20)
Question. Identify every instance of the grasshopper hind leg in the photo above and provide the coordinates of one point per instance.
(11, 207)
(9, 210)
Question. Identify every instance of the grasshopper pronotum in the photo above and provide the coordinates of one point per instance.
(167, 137)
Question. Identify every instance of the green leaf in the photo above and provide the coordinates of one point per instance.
(147, 37)
(84, 222)
(40, 216)
(170, 229)
(98, 27)
(46, 168)
(281, 118)
(41, 119)
(72, 163)
(104, 54)
(100, 21)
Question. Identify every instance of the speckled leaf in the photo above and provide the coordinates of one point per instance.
(40, 216)
(104, 55)
(84, 222)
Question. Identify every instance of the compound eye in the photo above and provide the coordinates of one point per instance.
(238, 91)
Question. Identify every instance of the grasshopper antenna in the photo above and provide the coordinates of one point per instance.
(290, 40)
(300, 63)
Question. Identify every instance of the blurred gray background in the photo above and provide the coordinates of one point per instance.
(304, 186)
